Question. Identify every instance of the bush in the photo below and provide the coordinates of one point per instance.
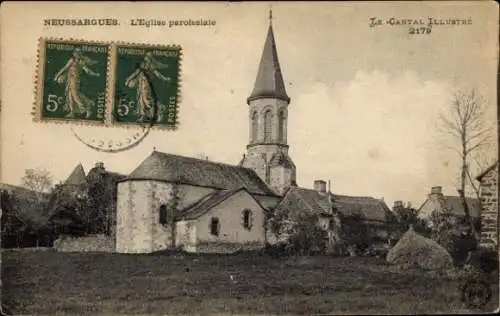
(302, 234)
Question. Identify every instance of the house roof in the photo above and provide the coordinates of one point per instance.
(493, 166)
(454, 204)
(186, 170)
(269, 82)
(299, 199)
(206, 203)
(370, 208)
(77, 176)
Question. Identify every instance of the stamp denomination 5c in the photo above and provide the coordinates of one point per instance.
(146, 84)
(72, 81)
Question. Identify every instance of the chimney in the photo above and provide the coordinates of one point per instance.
(398, 204)
(320, 186)
(435, 191)
(99, 165)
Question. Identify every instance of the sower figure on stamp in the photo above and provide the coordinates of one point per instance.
(76, 101)
(140, 80)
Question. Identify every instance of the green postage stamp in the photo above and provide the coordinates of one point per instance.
(108, 83)
(72, 81)
(145, 83)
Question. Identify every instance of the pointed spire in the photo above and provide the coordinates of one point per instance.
(269, 82)
(77, 176)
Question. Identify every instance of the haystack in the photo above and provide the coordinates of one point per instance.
(414, 250)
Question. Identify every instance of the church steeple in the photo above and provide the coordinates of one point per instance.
(269, 82)
(267, 150)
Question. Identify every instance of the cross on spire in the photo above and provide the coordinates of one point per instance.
(270, 14)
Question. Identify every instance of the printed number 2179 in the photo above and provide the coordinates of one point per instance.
(419, 30)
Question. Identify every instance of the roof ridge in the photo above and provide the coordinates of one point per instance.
(199, 159)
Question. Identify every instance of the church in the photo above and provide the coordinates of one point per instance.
(171, 201)
(176, 202)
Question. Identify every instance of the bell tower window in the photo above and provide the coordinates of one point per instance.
(255, 127)
(267, 126)
(281, 125)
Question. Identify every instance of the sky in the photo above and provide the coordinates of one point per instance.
(365, 101)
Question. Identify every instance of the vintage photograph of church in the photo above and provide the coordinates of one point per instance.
(300, 173)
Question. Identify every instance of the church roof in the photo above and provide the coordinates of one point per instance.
(269, 82)
(298, 200)
(77, 176)
(206, 203)
(192, 171)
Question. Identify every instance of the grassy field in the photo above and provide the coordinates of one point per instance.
(51, 283)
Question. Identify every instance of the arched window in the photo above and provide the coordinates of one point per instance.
(163, 215)
(281, 125)
(268, 126)
(247, 219)
(255, 126)
(214, 226)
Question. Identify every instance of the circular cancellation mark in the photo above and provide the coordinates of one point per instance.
(115, 146)
(476, 293)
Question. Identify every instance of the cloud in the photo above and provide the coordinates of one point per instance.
(372, 135)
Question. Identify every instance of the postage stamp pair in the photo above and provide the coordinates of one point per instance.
(107, 83)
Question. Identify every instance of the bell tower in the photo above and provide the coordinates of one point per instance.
(267, 150)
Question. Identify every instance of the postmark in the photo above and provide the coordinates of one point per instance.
(475, 293)
(72, 81)
(145, 86)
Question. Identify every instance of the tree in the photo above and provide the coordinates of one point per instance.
(465, 123)
(453, 233)
(99, 199)
(37, 180)
(39, 185)
(354, 232)
(299, 234)
(69, 211)
(406, 216)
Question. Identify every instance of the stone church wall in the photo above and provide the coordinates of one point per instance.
(133, 224)
(138, 227)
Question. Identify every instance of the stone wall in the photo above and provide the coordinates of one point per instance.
(227, 247)
(489, 202)
(94, 243)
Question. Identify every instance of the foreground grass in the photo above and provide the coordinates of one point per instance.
(50, 283)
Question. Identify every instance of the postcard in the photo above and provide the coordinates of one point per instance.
(249, 158)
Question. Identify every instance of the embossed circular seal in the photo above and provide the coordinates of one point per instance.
(476, 293)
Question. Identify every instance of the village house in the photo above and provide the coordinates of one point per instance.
(438, 202)
(171, 201)
(488, 192)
